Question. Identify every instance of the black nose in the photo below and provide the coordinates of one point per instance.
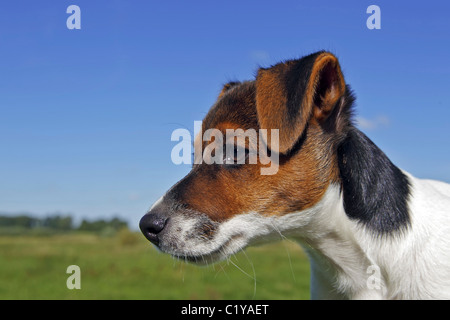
(151, 225)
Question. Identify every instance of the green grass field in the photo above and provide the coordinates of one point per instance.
(126, 266)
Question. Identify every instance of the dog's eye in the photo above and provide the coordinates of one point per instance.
(234, 154)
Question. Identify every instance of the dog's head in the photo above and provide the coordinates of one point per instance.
(221, 207)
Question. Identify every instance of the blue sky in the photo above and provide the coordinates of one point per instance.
(87, 115)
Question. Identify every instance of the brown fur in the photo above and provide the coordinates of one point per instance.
(307, 165)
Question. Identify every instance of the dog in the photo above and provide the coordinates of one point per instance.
(370, 229)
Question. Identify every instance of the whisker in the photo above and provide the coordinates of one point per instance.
(285, 247)
(254, 273)
(242, 270)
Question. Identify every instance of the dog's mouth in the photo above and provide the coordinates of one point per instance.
(207, 254)
(195, 238)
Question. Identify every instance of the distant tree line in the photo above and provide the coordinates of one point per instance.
(15, 224)
(100, 225)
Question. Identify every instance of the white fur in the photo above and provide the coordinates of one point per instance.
(156, 202)
(410, 264)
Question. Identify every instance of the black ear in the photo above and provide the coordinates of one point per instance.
(375, 191)
(292, 93)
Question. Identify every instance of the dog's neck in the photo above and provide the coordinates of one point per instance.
(337, 248)
(368, 204)
(334, 246)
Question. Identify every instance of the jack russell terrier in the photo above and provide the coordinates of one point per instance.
(334, 191)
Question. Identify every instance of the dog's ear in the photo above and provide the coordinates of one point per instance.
(292, 93)
(227, 87)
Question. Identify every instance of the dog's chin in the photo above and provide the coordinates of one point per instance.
(206, 254)
(202, 260)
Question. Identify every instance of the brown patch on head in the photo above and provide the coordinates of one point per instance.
(235, 106)
(227, 87)
(303, 99)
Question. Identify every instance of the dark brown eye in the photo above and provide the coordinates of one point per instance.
(235, 155)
